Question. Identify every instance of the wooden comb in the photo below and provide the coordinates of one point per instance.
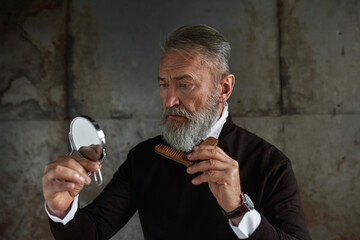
(179, 156)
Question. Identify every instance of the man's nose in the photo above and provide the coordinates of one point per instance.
(172, 99)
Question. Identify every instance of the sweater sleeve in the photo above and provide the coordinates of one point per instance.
(110, 211)
(281, 211)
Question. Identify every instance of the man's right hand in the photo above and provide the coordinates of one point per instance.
(63, 179)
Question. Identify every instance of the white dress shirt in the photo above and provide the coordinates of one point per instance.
(249, 223)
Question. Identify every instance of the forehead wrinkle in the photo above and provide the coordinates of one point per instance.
(178, 78)
(185, 67)
(183, 77)
(178, 73)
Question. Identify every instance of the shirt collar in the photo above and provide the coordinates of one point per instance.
(218, 125)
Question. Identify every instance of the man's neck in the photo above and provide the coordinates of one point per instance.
(220, 110)
(216, 128)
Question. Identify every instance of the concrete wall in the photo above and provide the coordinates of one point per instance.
(297, 70)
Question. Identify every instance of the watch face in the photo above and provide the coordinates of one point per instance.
(248, 202)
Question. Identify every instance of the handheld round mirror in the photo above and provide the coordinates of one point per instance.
(88, 141)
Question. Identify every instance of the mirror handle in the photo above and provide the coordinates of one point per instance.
(100, 179)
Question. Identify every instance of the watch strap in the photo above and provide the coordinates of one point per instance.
(239, 211)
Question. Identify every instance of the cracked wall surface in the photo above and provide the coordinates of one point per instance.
(296, 65)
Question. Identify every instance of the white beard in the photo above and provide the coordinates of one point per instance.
(185, 136)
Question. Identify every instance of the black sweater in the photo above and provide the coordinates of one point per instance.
(170, 207)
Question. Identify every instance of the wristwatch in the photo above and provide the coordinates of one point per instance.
(246, 206)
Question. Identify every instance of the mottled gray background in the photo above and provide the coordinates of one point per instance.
(297, 70)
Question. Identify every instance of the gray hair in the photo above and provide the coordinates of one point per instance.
(202, 39)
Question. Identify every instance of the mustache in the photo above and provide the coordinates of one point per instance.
(177, 111)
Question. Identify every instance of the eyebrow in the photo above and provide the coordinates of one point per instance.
(185, 76)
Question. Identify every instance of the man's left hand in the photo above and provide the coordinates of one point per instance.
(220, 171)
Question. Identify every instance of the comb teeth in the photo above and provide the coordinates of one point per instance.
(173, 154)
(179, 156)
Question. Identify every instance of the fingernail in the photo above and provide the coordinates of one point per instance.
(188, 170)
(82, 179)
(94, 165)
(88, 180)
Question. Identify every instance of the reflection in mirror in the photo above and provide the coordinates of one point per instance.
(92, 152)
(88, 141)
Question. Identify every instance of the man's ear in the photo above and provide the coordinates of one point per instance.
(225, 87)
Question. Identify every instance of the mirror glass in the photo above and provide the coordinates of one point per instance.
(88, 141)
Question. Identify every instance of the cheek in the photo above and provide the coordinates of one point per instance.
(203, 101)
(194, 103)
(163, 97)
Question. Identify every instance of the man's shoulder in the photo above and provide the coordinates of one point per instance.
(236, 134)
(247, 145)
(239, 135)
(252, 139)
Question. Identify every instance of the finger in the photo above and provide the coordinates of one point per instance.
(62, 173)
(57, 186)
(72, 163)
(207, 152)
(209, 176)
(88, 165)
(207, 165)
(51, 188)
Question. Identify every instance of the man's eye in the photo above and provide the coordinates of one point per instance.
(184, 85)
(163, 85)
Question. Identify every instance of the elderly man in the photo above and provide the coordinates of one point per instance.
(210, 199)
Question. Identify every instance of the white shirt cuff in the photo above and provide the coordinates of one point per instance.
(68, 216)
(249, 223)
